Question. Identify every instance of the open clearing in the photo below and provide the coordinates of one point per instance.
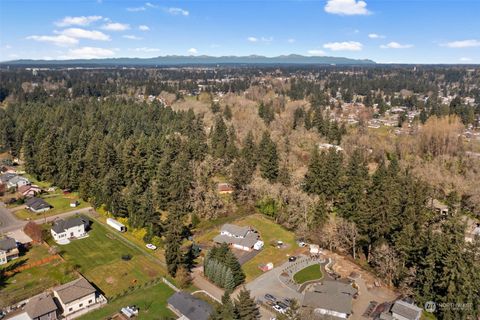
(99, 259)
(270, 233)
(30, 282)
(310, 273)
(151, 301)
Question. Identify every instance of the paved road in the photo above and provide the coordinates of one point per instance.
(9, 222)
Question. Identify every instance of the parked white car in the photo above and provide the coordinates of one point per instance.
(151, 246)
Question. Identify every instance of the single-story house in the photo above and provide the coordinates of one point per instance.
(8, 250)
(42, 307)
(37, 205)
(331, 298)
(224, 188)
(439, 207)
(187, 307)
(242, 238)
(29, 190)
(68, 229)
(4, 178)
(75, 296)
(402, 310)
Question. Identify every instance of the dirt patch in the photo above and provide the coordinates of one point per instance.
(110, 280)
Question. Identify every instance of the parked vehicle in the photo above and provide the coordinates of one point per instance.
(269, 297)
(292, 258)
(282, 305)
(116, 225)
(151, 246)
(279, 309)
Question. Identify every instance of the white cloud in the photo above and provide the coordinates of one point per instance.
(131, 37)
(7, 47)
(177, 11)
(347, 7)
(396, 45)
(375, 36)
(151, 5)
(463, 44)
(146, 49)
(291, 40)
(59, 40)
(316, 52)
(136, 9)
(115, 26)
(344, 46)
(88, 53)
(85, 34)
(77, 21)
(465, 59)
(192, 51)
(262, 39)
(143, 28)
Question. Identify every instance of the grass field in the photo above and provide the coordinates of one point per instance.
(60, 203)
(99, 259)
(310, 273)
(33, 281)
(269, 232)
(151, 301)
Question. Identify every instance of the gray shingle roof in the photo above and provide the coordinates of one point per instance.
(190, 307)
(37, 203)
(40, 305)
(4, 178)
(406, 310)
(248, 241)
(61, 225)
(235, 230)
(74, 290)
(7, 243)
(330, 295)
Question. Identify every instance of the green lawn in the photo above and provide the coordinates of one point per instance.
(310, 273)
(269, 232)
(33, 281)
(151, 301)
(99, 259)
(60, 203)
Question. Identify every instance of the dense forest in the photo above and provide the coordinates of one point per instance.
(156, 164)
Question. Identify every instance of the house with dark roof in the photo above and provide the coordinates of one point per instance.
(8, 250)
(187, 307)
(330, 298)
(41, 307)
(243, 238)
(37, 205)
(75, 296)
(75, 228)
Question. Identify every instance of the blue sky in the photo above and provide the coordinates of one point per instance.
(412, 31)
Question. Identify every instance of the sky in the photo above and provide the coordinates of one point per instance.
(386, 31)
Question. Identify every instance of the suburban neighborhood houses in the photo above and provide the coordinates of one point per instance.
(8, 250)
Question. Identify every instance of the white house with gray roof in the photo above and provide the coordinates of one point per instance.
(64, 230)
(243, 238)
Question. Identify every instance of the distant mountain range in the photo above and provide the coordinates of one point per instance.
(192, 60)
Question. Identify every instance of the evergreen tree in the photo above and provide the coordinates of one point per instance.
(268, 158)
(246, 307)
(173, 242)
